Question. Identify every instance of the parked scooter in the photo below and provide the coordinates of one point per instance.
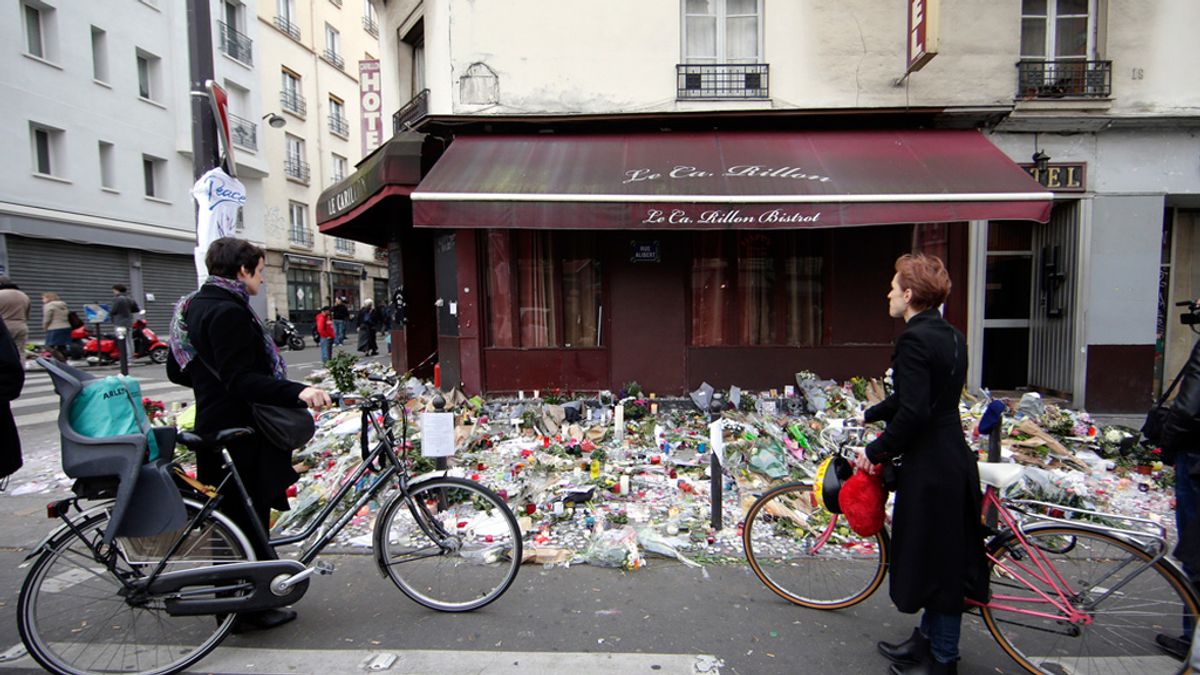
(284, 332)
(103, 350)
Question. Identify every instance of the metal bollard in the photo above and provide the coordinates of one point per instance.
(122, 349)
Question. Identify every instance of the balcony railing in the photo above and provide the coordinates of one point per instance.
(300, 236)
(243, 131)
(1064, 79)
(343, 245)
(293, 102)
(292, 30)
(296, 169)
(335, 59)
(337, 3)
(339, 125)
(370, 26)
(722, 81)
(235, 44)
(411, 113)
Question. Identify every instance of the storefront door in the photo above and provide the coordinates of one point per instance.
(648, 342)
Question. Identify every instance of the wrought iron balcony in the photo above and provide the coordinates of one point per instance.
(235, 44)
(1064, 78)
(334, 58)
(411, 113)
(343, 245)
(243, 131)
(296, 169)
(339, 125)
(293, 102)
(337, 3)
(722, 81)
(292, 30)
(300, 236)
(370, 26)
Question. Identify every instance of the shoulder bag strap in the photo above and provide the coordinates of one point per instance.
(1174, 383)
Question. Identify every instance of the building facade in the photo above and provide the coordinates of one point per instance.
(1086, 95)
(311, 54)
(97, 119)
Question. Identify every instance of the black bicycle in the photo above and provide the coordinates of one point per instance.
(102, 597)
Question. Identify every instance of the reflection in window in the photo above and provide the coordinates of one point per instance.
(543, 289)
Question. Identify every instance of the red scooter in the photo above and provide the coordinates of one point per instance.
(103, 350)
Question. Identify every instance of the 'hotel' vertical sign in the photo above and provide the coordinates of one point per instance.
(371, 103)
(923, 20)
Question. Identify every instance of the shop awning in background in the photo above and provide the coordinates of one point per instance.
(722, 180)
(392, 169)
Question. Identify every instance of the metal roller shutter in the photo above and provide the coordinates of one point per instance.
(167, 278)
(79, 274)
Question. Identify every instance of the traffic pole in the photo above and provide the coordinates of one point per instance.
(206, 153)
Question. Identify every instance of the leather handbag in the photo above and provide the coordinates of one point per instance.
(286, 427)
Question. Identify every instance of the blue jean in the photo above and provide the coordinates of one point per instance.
(943, 631)
(339, 331)
(326, 349)
(1187, 501)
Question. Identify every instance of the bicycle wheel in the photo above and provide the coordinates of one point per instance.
(781, 537)
(75, 616)
(451, 545)
(1119, 633)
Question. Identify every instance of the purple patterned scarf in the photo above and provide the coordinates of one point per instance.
(181, 344)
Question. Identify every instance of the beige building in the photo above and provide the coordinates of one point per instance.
(309, 75)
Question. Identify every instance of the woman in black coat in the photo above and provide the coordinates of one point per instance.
(12, 379)
(937, 556)
(220, 348)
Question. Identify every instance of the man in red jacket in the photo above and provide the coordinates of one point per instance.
(326, 333)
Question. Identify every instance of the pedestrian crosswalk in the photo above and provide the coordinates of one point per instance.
(38, 404)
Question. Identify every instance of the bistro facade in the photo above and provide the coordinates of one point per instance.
(584, 261)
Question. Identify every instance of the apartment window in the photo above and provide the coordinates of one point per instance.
(298, 224)
(333, 46)
(295, 166)
(99, 55)
(370, 22)
(337, 117)
(722, 31)
(154, 176)
(46, 150)
(1057, 29)
(757, 288)
(41, 30)
(233, 40)
(543, 289)
(148, 71)
(108, 168)
(289, 96)
(340, 166)
(343, 245)
(285, 18)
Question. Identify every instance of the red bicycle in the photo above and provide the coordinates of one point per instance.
(1073, 591)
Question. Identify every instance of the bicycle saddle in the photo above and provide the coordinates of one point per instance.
(219, 439)
(999, 475)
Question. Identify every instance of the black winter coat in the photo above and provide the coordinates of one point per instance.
(228, 337)
(1181, 431)
(12, 380)
(937, 556)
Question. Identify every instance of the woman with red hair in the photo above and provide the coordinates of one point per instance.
(937, 556)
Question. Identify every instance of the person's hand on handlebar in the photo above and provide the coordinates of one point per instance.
(862, 462)
(315, 398)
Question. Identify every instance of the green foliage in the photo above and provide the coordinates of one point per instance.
(632, 389)
(341, 368)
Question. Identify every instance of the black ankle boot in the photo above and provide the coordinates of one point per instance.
(912, 651)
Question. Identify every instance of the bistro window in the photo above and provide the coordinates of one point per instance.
(757, 288)
(543, 289)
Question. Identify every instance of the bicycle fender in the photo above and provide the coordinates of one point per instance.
(259, 574)
(56, 535)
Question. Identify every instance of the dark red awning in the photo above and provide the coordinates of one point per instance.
(394, 168)
(723, 180)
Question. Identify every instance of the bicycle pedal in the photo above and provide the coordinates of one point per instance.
(325, 567)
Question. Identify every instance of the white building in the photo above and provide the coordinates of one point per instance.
(309, 69)
(1102, 89)
(94, 98)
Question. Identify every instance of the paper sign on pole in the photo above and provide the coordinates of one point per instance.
(219, 197)
(437, 434)
(716, 440)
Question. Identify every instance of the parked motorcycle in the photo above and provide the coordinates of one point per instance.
(103, 350)
(284, 332)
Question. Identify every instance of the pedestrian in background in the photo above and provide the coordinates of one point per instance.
(369, 321)
(937, 538)
(1181, 441)
(14, 309)
(220, 348)
(12, 379)
(326, 333)
(123, 308)
(341, 316)
(56, 322)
